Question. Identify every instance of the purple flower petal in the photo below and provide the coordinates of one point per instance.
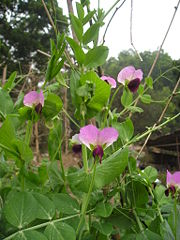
(129, 73)
(75, 139)
(88, 135)
(33, 98)
(173, 179)
(133, 85)
(107, 136)
(109, 80)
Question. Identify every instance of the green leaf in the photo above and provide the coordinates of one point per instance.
(74, 84)
(55, 176)
(52, 106)
(166, 231)
(29, 235)
(146, 98)
(23, 150)
(174, 221)
(126, 98)
(96, 57)
(91, 33)
(136, 193)
(6, 103)
(103, 209)
(46, 208)
(10, 82)
(140, 89)
(66, 204)
(150, 174)
(104, 228)
(125, 130)
(88, 17)
(55, 140)
(60, 231)
(100, 95)
(149, 82)
(20, 209)
(134, 109)
(111, 168)
(78, 52)
(80, 11)
(77, 26)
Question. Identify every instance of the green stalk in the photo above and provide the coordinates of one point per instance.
(111, 8)
(84, 207)
(84, 152)
(28, 132)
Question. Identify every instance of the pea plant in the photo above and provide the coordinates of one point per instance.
(109, 197)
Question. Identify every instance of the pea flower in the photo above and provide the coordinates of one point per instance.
(132, 76)
(97, 140)
(109, 80)
(34, 99)
(173, 182)
(76, 144)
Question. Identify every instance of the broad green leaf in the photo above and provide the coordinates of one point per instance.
(136, 193)
(88, 17)
(55, 176)
(150, 174)
(80, 11)
(6, 103)
(10, 82)
(103, 209)
(149, 82)
(60, 231)
(125, 130)
(126, 98)
(29, 235)
(105, 228)
(52, 106)
(111, 168)
(140, 89)
(20, 209)
(174, 221)
(166, 231)
(23, 150)
(77, 26)
(96, 57)
(91, 33)
(65, 204)
(46, 208)
(78, 52)
(55, 140)
(146, 98)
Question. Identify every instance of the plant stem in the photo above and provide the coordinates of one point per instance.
(84, 207)
(84, 153)
(111, 8)
(71, 119)
(28, 132)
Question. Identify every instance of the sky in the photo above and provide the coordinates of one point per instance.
(151, 19)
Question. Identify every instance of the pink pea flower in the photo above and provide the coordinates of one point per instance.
(132, 76)
(34, 99)
(173, 182)
(97, 140)
(109, 80)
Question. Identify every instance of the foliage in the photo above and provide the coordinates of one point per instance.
(109, 197)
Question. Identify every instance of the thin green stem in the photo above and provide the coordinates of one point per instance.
(138, 221)
(71, 119)
(111, 8)
(85, 205)
(84, 152)
(28, 132)
(62, 167)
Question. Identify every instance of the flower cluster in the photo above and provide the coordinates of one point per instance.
(34, 99)
(128, 76)
(173, 182)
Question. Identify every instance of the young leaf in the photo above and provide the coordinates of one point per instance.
(77, 26)
(10, 82)
(88, 17)
(103, 209)
(125, 129)
(126, 98)
(149, 82)
(96, 56)
(91, 33)
(80, 11)
(78, 52)
(146, 98)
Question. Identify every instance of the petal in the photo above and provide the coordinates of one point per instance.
(138, 74)
(88, 135)
(41, 98)
(109, 80)
(168, 178)
(126, 73)
(75, 139)
(107, 136)
(176, 178)
(134, 85)
(31, 98)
